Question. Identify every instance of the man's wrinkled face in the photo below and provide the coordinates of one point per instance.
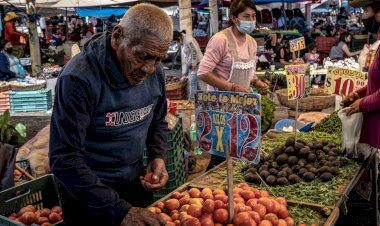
(139, 60)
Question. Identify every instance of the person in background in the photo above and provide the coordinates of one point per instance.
(99, 26)
(192, 56)
(331, 31)
(10, 66)
(341, 48)
(342, 15)
(312, 56)
(109, 105)
(42, 23)
(12, 35)
(284, 56)
(298, 21)
(86, 35)
(229, 63)
(56, 37)
(75, 35)
(329, 20)
(274, 42)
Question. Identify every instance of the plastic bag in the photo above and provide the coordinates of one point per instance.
(7, 165)
(351, 127)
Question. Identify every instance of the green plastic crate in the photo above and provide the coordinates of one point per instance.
(41, 193)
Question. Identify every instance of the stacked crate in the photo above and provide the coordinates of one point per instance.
(28, 101)
(175, 163)
(4, 101)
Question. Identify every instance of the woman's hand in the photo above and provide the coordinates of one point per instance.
(354, 108)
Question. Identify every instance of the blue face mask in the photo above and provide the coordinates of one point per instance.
(246, 27)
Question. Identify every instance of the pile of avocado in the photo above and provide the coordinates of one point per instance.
(295, 161)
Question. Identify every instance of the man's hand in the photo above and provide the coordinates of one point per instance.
(141, 217)
(348, 100)
(354, 108)
(157, 167)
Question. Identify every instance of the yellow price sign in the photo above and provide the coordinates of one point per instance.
(341, 81)
(297, 44)
(296, 86)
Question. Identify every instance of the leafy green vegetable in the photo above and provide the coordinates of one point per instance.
(9, 132)
(267, 112)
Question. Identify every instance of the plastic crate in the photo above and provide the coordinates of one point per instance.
(21, 101)
(41, 193)
(4, 101)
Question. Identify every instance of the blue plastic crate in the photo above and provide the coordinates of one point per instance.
(23, 101)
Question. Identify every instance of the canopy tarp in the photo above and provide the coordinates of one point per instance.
(39, 3)
(100, 12)
(88, 3)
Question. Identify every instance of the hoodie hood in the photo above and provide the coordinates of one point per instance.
(100, 53)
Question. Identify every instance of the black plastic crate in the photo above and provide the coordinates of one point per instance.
(41, 193)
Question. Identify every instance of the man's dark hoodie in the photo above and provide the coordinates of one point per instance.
(99, 128)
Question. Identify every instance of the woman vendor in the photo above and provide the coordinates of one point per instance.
(229, 62)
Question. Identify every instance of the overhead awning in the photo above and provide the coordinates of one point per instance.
(39, 3)
(101, 12)
(88, 3)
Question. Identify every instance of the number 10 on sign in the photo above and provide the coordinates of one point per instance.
(296, 86)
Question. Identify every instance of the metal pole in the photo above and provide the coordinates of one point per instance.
(34, 41)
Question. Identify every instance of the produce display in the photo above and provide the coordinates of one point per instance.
(331, 124)
(267, 112)
(171, 79)
(295, 161)
(349, 63)
(208, 207)
(29, 215)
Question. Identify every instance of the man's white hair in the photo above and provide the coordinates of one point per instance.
(146, 19)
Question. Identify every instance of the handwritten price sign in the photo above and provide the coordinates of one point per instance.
(297, 44)
(297, 80)
(228, 117)
(344, 81)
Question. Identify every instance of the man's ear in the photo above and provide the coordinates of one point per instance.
(117, 35)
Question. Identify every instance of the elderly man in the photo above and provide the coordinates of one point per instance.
(109, 105)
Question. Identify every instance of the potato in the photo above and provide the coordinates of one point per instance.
(42, 220)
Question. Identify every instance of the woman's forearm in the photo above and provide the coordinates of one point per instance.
(213, 80)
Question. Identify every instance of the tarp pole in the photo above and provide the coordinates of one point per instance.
(67, 26)
(34, 41)
(284, 14)
(308, 13)
(213, 6)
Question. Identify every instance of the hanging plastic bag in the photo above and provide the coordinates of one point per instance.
(351, 127)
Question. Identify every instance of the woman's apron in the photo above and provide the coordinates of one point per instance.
(242, 70)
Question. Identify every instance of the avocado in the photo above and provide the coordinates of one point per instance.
(263, 168)
(334, 170)
(289, 150)
(296, 168)
(271, 180)
(331, 159)
(277, 151)
(304, 152)
(284, 165)
(302, 171)
(324, 169)
(325, 142)
(326, 149)
(282, 174)
(282, 158)
(244, 168)
(313, 170)
(292, 160)
(298, 146)
(273, 171)
(289, 142)
(275, 165)
(282, 181)
(308, 176)
(328, 163)
(331, 153)
(248, 177)
(256, 179)
(326, 177)
(312, 157)
(293, 179)
(264, 174)
(288, 170)
(252, 170)
(318, 146)
(302, 162)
